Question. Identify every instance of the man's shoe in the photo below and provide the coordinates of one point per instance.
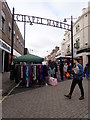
(68, 96)
(81, 98)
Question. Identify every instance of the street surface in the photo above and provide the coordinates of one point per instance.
(46, 102)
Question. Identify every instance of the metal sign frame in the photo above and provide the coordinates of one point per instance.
(40, 21)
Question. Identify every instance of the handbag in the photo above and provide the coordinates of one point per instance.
(52, 81)
(67, 75)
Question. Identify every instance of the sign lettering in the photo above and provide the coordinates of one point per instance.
(57, 24)
(43, 21)
(5, 46)
(49, 22)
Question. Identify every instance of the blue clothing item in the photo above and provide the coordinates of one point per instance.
(27, 76)
(87, 73)
(52, 71)
(31, 69)
(79, 75)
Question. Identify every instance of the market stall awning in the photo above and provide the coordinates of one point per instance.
(28, 58)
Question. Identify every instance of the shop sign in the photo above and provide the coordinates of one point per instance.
(4, 46)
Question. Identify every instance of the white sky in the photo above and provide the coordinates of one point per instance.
(41, 38)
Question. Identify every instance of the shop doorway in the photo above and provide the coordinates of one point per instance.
(6, 62)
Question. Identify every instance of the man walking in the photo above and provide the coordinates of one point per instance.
(61, 69)
(77, 79)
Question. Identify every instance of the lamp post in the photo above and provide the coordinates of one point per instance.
(12, 36)
(72, 38)
(65, 20)
(11, 64)
(24, 35)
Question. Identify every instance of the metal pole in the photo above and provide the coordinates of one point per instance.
(11, 67)
(72, 38)
(24, 35)
(12, 36)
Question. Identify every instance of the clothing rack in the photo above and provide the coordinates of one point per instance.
(31, 75)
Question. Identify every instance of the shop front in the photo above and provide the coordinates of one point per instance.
(6, 55)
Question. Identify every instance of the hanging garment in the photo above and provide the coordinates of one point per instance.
(40, 80)
(42, 72)
(45, 70)
(24, 75)
(34, 72)
(38, 74)
(21, 72)
(31, 75)
(87, 73)
(27, 76)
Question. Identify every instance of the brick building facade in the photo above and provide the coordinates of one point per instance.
(5, 37)
(52, 55)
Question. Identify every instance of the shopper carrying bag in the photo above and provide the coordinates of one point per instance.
(77, 79)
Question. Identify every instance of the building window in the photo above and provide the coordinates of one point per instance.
(68, 36)
(77, 44)
(9, 31)
(14, 37)
(74, 45)
(86, 15)
(77, 28)
(3, 21)
(23, 48)
(17, 41)
(19, 45)
(68, 48)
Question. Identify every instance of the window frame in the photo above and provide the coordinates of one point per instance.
(3, 21)
(77, 28)
(17, 41)
(9, 31)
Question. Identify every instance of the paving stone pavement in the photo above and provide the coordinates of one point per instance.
(7, 84)
(46, 102)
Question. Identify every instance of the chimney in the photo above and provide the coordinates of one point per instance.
(84, 10)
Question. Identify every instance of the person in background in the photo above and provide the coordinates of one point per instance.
(86, 71)
(51, 69)
(55, 65)
(77, 79)
(61, 69)
(45, 74)
(69, 69)
(65, 68)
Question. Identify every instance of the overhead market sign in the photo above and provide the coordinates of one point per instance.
(39, 20)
